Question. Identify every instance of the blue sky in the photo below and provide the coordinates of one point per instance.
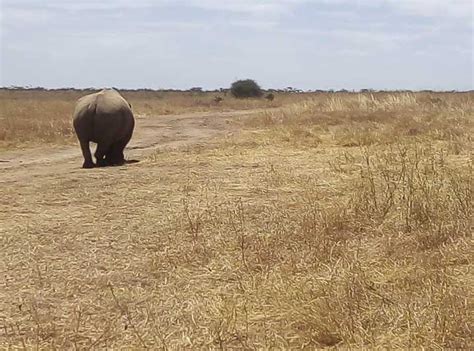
(307, 44)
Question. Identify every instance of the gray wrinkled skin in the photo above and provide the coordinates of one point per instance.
(104, 118)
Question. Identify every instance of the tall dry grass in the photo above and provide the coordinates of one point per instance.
(29, 117)
(35, 121)
(376, 119)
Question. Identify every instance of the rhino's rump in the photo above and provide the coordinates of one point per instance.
(103, 117)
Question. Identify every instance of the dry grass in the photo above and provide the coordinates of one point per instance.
(30, 118)
(293, 234)
(367, 119)
(34, 120)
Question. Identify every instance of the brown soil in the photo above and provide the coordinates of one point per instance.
(151, 133)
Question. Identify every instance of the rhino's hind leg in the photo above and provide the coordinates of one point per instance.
(102, 150)
(86, 152)
(115, 155)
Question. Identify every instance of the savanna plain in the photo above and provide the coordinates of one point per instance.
(315, 220)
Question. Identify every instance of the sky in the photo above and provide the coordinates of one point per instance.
(179, 44)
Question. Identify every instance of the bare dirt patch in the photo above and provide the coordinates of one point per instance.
(166, 131)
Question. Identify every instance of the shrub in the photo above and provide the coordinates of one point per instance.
(270, 97)
(245, 89)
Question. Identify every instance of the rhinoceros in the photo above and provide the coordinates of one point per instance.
(105, 118)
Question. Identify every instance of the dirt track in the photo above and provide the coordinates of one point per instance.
(151, 133)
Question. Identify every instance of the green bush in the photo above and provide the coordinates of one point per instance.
(245, 89)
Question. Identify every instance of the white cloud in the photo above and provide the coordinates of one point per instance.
(262, 7)
(77, 5)
(255, 24)
(425, 8)
(452, 8)
(458, 8)
(243, 6)
(265, 10)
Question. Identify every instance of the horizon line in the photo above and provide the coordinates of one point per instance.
(203, 90)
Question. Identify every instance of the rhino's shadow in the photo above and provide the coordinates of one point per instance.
(126, 162)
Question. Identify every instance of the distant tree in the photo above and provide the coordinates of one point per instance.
(245, 89)
(196, 90)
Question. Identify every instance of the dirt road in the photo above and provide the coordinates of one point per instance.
(151, 133)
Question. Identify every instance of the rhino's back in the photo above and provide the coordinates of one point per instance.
(109, 101)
